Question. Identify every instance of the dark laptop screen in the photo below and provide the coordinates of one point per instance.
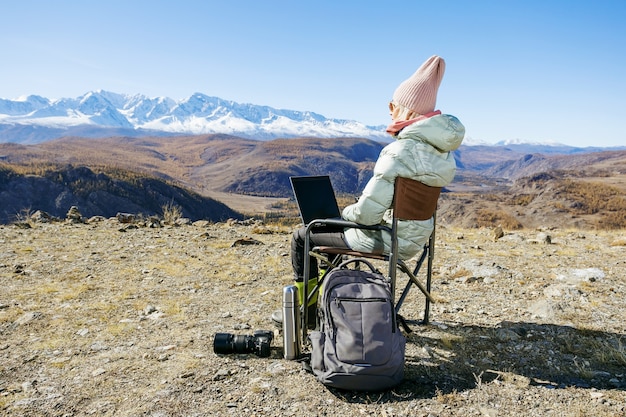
(315, 197)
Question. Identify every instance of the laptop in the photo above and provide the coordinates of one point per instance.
(315, 197)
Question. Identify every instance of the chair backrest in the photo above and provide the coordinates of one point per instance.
(414, 200)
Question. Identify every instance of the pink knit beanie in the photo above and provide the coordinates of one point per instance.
(419, 92)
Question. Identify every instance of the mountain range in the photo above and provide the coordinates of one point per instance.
(97, 114)
(35, 119)
(106, 152)
(493, 185)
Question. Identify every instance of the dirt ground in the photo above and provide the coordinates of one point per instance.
(113, 319)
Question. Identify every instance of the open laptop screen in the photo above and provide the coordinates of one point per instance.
(315, 197)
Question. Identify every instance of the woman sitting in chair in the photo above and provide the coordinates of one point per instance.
(422, 150)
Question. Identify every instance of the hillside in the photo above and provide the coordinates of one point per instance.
(264, 168)
(595, 164)
(214, 162)
(494, 184)
(98, 193)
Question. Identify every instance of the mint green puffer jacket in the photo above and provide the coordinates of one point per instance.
(422, 151)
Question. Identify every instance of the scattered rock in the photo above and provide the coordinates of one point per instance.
(246, 241)
(246, 222)
(183, 221)
(29, 386)
(498, 233)
(73, 215)
(542, 309)
(506, 335)
(42, 217)
(96, 219)
(98, 346)
(544, 238)
(27, 318)
(154, 222)
(166, 347)
(125, 218)
(127, 227)
(576, 276)
(221, 374)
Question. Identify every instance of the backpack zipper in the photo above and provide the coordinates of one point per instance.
(338, 301)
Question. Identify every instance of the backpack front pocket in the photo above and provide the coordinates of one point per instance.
(362, 330)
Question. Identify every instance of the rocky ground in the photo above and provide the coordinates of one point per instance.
(115, 319)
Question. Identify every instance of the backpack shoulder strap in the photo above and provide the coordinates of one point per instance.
(344, 264)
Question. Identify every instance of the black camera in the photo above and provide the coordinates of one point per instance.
(259, 343)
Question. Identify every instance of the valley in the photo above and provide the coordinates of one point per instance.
(494, 185)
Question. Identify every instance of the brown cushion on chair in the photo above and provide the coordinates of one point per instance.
(414, 200)
(351, 252)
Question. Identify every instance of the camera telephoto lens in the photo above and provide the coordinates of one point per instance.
(259, 343)
(243, 344)
(223, 343)
(230, 343)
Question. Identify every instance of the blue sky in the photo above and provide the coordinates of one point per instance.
(543, 71)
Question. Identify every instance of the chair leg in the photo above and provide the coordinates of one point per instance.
(426, 254)
(416, 281)
(405, 292)
(429, 272)
(427, 303)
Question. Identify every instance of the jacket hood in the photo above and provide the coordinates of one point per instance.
(444, 132)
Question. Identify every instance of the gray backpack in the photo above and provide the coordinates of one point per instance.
(359, 345)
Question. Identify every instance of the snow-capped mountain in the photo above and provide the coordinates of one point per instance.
(35, 119)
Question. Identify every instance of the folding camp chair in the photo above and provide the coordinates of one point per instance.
(412, 200)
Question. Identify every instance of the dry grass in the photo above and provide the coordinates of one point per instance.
(132, 314)
(491, 218)
(171, 213)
